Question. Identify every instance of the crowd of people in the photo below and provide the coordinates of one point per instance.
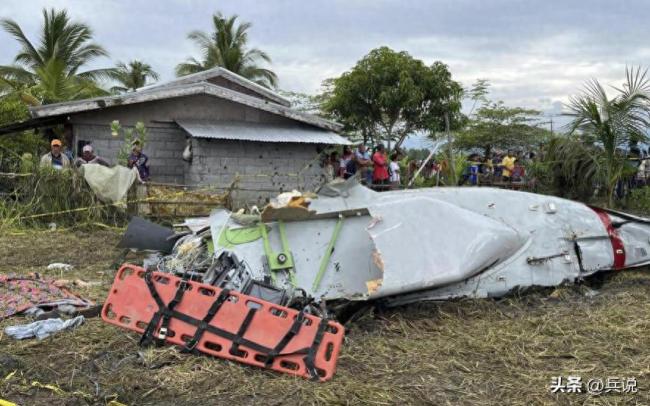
(381, 171)
(508, 167)
(60, 157)
(373, 168)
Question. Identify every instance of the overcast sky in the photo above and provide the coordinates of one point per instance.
(535, 53)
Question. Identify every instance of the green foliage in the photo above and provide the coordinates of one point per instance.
(496, 125)
(613, 122)
(639, 200)
(568, 168)
(12, 110)
(129, 136)
(14, 146)
(388, 95)
(48, 71)
(132, 76)
(62, 197)
(226, 47)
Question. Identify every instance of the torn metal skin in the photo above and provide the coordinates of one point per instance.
(354, 244)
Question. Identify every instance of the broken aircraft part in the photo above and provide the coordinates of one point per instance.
(352, 244)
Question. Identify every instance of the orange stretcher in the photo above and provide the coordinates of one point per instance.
(225, 324)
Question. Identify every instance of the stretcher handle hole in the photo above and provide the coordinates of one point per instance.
(321, 372)
(213, 346)
(170, 333)
(251, 304)
(188, 285)
(141, 325)
(292, 366)
(161, 279)
(186, 338)
(109, 312)
(140, 274)
(207, 292)
(126, 272)
(306, 322)
(332, 329)
(238, 353)
(260, 358)
(329, 350)
(125, 320)
(279, 312)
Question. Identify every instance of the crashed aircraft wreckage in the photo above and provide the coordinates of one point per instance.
(308, 257)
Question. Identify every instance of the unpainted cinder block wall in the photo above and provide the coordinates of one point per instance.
(164, 147)
(262, 170)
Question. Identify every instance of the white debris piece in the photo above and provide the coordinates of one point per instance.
(59, 266)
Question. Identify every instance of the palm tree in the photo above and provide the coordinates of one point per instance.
(132, 76)
(50, 69)
(226, 47)
(614, 122)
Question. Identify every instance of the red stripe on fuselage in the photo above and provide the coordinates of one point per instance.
(617, 243)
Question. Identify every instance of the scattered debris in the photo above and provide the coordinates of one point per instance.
(21, 293)
(43, 328)
(58, 266)
(316, 255)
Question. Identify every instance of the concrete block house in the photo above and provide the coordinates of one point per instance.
(234, 126)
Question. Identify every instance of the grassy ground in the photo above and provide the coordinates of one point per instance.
(461, 352)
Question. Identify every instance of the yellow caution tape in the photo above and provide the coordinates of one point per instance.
(7, 403)
(53, 388)
(59, 391)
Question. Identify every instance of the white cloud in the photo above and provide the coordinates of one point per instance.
(535, 53)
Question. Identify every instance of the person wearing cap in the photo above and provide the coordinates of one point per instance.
(88, 157)
(140, 161)
(55, 158)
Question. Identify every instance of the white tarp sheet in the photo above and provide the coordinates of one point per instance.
(109, 184)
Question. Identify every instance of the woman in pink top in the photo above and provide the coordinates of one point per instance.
(380, 172)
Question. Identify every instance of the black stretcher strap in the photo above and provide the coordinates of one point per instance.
(313, 350)
(293, 331)
(212, 311)
(234, 349)
(147, 336)
(168, 312)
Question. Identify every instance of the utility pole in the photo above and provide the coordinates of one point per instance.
(452, 166)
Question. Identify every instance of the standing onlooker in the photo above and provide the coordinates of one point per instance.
(364, 164)
(140, 161)
(331, 166)
(380, 171)
(55, 158)
(508, 165)
(395, 179)
(347, 165)
(88, 157)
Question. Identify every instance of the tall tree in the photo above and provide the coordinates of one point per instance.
(50, 70)
(389, 95)
(132, 76)
(614, 122)
(227, 47)
(495, 125)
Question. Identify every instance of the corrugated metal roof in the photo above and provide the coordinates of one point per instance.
(169, 92)
(244, 131)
